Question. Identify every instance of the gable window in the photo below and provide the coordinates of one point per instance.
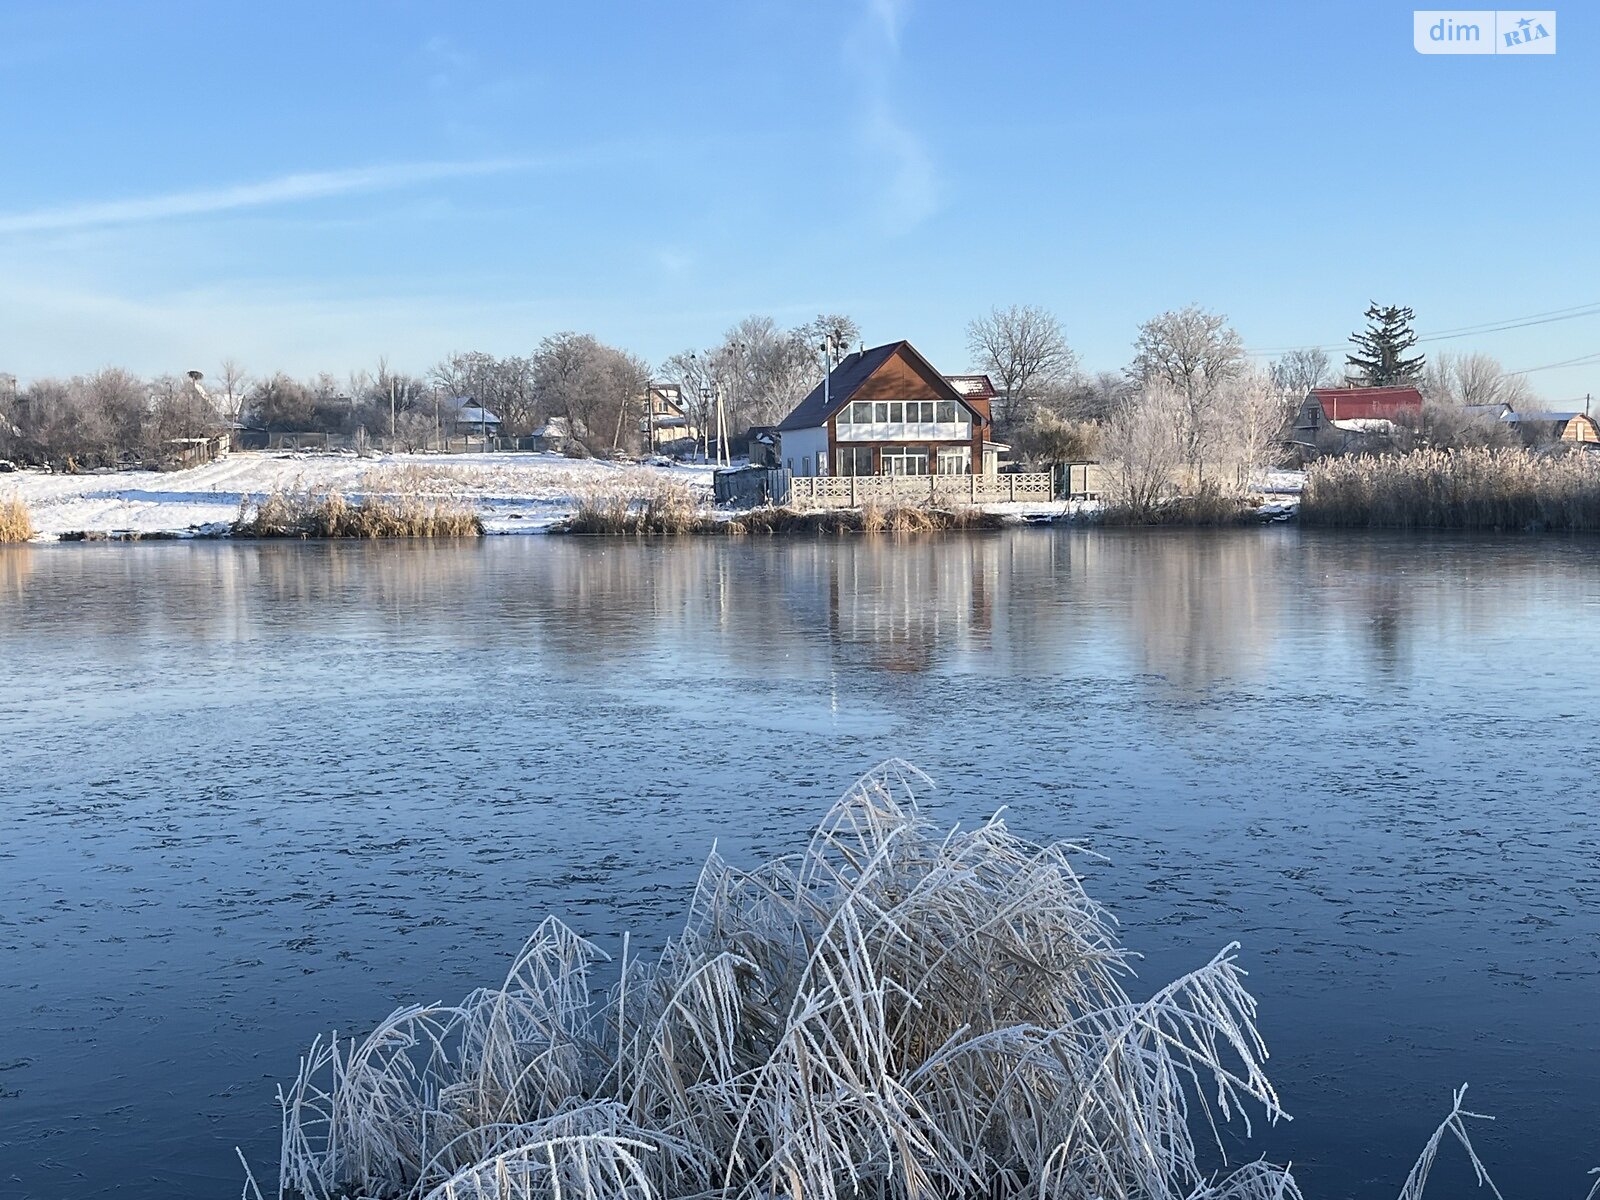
(947, 411)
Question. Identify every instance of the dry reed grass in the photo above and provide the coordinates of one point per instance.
(328, 514)
(1208, 504)
(656, 507)
(16, 525)
(896, 1013)
(646, 506)
(1456, 489)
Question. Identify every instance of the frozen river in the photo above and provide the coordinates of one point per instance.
(253, 792)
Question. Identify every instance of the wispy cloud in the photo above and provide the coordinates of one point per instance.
(286, 189)
(910, 192)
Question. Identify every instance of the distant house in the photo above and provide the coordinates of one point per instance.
(887, 411)
(667, 424)
(1347, 417)
(1537, 428)
(552, 436)
(471, 419)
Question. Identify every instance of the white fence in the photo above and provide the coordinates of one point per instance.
(852, 491)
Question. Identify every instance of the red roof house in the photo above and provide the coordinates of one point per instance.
(1356, 410)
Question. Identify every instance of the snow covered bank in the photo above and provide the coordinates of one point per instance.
(510, 492)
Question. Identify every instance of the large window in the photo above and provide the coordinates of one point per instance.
(956, 462)
(855, 460)
(898, 460)
(903, 421)
(901, 412)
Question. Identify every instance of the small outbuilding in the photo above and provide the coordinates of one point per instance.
(1581, 427)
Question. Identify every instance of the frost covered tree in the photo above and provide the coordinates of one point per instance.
(1143, 446)
(1194, 352)
(1380, 358)
(1252, 420)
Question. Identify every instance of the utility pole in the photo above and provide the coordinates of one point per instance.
(391, 414)
(708, 392)
(649, 418)
(723, 459)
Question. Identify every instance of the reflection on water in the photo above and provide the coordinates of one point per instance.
(251, 792)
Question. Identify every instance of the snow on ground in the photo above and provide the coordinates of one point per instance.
(511, 492)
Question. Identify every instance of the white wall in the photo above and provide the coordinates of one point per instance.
(796, 446)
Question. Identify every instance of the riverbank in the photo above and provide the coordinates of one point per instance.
(507, 493)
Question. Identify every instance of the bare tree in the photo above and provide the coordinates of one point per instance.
(845, 333)
(1298, 371)
(281, 403)
(1020, 348)
(1089, 397)
(1463, 396)
(1473, 380)
(1194, 352)
(232, 382)
(593, 385)
(1046, 439)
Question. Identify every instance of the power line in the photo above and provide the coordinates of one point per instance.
(1545, 318)
(1581, 360)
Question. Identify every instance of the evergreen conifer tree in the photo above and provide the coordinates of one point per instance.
(1380, 355)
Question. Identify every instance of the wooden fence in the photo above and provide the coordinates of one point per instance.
(852, 491)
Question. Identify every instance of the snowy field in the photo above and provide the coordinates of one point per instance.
(511, 492)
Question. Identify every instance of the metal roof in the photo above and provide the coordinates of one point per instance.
(1368, 403)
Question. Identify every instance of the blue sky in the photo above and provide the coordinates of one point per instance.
(310, 186)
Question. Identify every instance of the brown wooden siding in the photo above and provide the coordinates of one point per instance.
(899, 379)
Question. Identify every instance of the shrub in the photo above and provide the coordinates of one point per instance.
(16, 525)
(1456, 489)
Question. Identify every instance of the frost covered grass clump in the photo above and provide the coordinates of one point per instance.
(897, 1012)
(328, 514)
(16, 525)
(638, 505)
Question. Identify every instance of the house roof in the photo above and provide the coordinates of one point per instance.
(846, 379)
(1552, 417)
(972, 385)
(1368, 403)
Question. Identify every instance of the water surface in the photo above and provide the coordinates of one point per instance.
(250, 792)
